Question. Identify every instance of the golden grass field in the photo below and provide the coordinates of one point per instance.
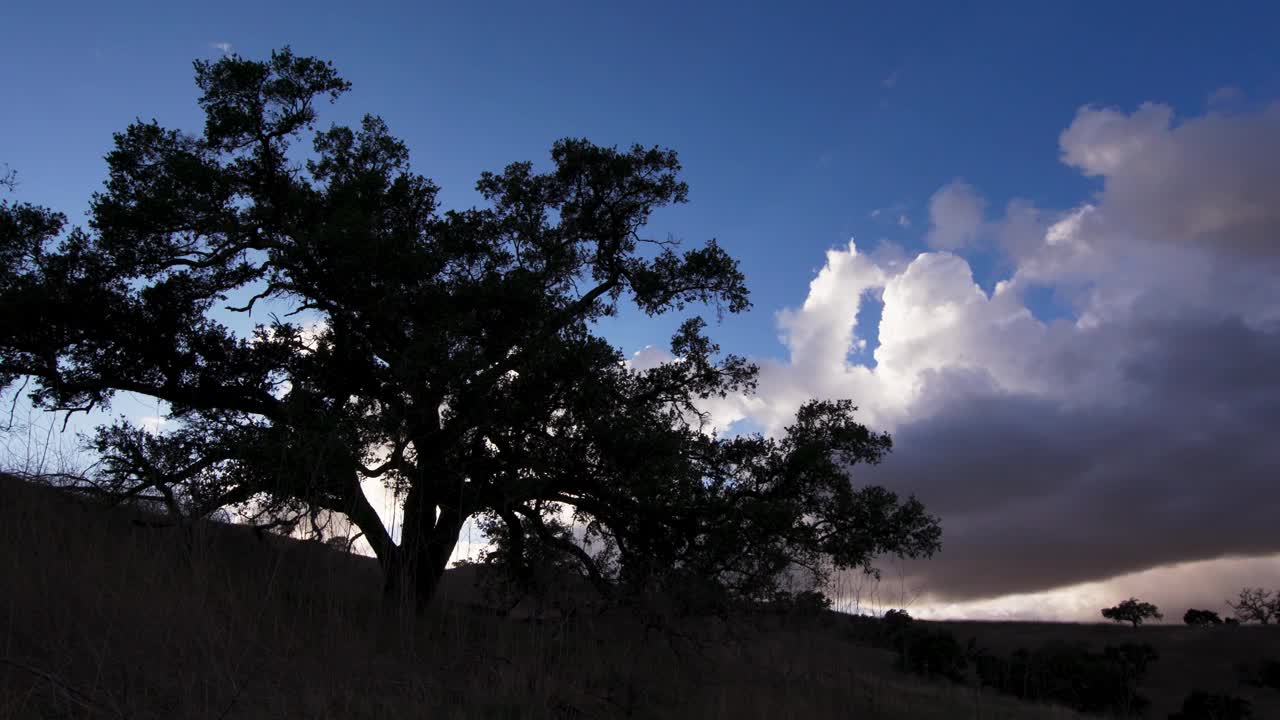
(105, 618)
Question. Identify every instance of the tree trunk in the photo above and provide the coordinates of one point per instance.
(362, 513)
(413, 575)
(427, 539)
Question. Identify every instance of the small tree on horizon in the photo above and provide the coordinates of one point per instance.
(1256, 605)
(1132, 611)
(1201, 617)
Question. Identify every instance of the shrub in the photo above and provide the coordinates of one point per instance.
(897, 620)
(1201, 705)
(1071, 675)
(1261, 674)
(807, 602)
(1201, 617)
(932, 653)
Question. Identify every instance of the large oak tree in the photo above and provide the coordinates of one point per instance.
(449, 354)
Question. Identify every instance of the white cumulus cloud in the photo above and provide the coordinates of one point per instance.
(955, 216)
(1086, 451)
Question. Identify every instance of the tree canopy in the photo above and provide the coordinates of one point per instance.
(1132, 611)
(1194, 616)
(449, 354)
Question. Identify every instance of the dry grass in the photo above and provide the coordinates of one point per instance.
(103, 618)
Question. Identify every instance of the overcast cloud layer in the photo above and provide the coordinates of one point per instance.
(1136, 431)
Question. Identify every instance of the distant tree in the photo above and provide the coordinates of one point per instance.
(1132, 611)
(450, 355)
(1201, 617)
(1256, 605)
(1231, 621)
(896, 619)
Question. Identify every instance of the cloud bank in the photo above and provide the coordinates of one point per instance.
(1134, 428)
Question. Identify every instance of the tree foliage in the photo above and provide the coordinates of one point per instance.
(1132, 611)
(447, 354)
(1201, 617)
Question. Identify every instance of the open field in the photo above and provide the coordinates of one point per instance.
(105, 618)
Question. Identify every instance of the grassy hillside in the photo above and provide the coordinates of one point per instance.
(102, 617)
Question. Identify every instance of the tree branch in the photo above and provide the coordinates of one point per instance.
(567, 546)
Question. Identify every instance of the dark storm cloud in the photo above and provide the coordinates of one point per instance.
(1137, 430)
(1035, 494)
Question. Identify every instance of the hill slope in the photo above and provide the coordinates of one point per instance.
(102, 617)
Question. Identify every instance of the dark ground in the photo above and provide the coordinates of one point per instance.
(105, 618)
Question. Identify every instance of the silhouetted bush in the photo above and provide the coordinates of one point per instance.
(807, 602)
(932, 653)
(922, 650)
(1071, 675)
(339, 543)
(897, 620)
(865, 630)
(1261, 674)
(1201, 705)
(1231, 621)
(1201, 617)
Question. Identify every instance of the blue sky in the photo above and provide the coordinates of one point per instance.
(794, 121)
(1137, 336)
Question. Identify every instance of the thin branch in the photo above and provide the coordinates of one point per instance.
(248, 307)
(72, 410)
(14, 405)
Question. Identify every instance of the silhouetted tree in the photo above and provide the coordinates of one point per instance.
(1201, 617)
(449, 355)
(1256, 605)
(1132, 611)
(896, 620)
